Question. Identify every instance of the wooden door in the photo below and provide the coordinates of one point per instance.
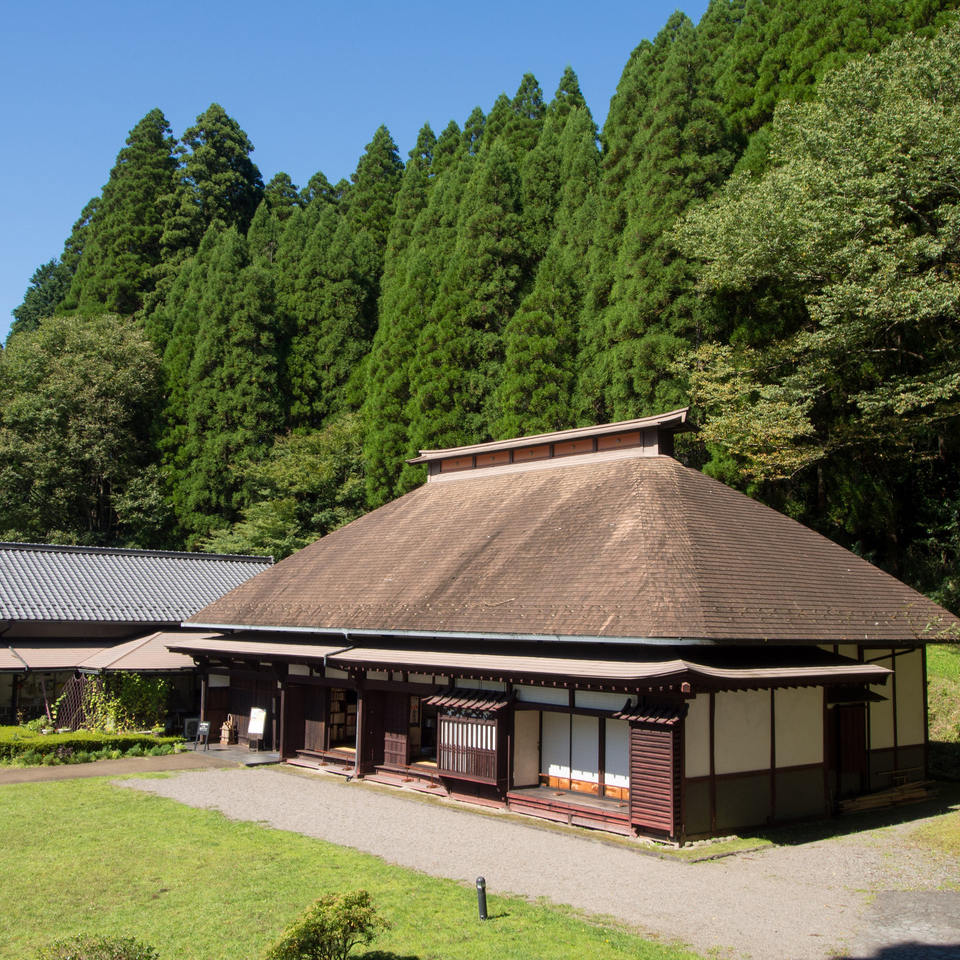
(314, 714)
(291, 720)
(847, 748)
(396, 729)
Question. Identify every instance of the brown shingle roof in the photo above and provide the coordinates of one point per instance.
(145, 654)
(634, 549)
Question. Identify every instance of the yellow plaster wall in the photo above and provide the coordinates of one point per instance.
(742, 731)
(798, 717)
(697, 737)
(910, 698)
(881, 714)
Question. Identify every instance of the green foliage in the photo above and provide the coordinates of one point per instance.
(217, 182)
(118, 268)
(678, 155)
(943, 704)
(97, 947)
(21, 745)
(329, 929)
(308, 485)
(858, 219)
(137, 701)
(48, 286)
(226, 405)
(77, 397)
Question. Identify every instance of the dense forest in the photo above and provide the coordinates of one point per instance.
(765, 228)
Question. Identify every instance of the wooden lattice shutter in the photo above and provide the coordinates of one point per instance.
(655, 757)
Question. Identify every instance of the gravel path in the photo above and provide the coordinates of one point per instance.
(872, 895)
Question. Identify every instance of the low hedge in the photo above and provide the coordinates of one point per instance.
(16, 741)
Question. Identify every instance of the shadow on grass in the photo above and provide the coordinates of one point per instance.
(384, 955)
(945, 760)
(947, 801)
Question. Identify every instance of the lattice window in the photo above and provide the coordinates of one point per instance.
(468, 747)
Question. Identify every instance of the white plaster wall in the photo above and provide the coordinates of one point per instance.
(910, 697)
(553, 695)
(586, 749)
(555, 745)
(299, 670)
(526, 748)
(336, 674)
(494, 685)
(881, 714)
(595, 700)
(798, 717)
(697, 737)
(218, 680)
(617, 758)
(742, 731)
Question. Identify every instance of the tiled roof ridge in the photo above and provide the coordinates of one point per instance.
(22, 547)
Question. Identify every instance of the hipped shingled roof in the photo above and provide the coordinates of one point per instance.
(636, 549)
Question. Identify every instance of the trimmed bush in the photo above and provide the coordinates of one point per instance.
(95, 947)
(16, 743)
(329, 929)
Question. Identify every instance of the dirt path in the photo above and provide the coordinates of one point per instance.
(869, 895)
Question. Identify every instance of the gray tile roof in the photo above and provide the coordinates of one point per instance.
(41, 582)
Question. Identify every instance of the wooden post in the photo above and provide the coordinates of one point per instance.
(363, 734)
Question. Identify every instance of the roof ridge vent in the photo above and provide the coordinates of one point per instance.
(646, 437)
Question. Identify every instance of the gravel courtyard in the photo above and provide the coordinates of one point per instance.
(872, 895)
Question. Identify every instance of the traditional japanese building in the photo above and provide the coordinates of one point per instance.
(69, 612)
(577, 626)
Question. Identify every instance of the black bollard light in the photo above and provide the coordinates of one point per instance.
(482, 897)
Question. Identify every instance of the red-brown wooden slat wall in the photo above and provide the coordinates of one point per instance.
(654, 779)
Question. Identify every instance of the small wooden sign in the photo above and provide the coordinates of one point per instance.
(203, 735)
(258, 718)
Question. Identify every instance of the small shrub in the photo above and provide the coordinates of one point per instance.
(93, 947)
(136, 751)
(329, 929)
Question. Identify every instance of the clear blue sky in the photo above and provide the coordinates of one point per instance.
(309, 82)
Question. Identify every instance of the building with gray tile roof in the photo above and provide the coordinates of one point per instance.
(93, 591)
(65, 609)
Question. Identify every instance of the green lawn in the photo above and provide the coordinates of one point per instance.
(943, 702)
(81, 856)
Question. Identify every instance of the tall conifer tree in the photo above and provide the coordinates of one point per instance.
(460, 350)
(233, 400)
(653, 313)
(218, 181)
(387, 375)
(122, 248)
